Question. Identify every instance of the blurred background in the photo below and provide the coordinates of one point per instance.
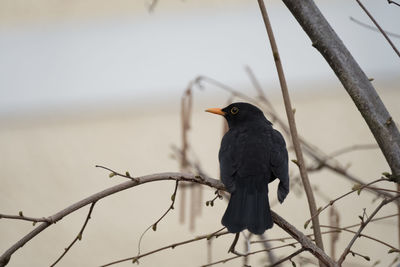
(94, 82)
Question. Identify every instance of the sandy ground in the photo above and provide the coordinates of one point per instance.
(47, 163)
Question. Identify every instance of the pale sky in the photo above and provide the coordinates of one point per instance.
(53, 64)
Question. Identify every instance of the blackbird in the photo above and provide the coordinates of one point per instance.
(252, 154)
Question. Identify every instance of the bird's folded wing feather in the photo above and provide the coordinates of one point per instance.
(279, 158)
(229, 159)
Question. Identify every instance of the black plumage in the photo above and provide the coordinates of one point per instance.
(252, 154)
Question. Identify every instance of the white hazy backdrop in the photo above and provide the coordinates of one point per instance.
(94, 82)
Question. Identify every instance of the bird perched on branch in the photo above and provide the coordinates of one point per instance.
(252, 154)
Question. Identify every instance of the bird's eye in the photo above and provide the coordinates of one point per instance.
(234, 110)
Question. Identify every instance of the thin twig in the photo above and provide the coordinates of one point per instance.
(114, 173)
(154, 225)
(248, 254)
(373, 220)
(352, 149)
(305, 241)
(342, 171)
(383, 189)
(78, 237)
(289, 257)
(211, 202)
(174, 245)
(357, 188)
(22, 217)
(379, 27)
(257, 86)
(283, 239)
(393, 2)
(373, 28)
(362, 226)
(293, 130)
(353, 253)
(360, 235)
(236, 93)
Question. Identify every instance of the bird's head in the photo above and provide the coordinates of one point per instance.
(239, 114)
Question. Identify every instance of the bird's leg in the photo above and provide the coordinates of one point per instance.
(232, 247)
(247, 248)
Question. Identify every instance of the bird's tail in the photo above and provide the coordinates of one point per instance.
(248, 208)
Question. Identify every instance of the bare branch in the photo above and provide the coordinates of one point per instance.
(383, 189)
(379, 27)
(78, 237)
(393, 2)
(354, 80)
(357, 188)
(21, 216)
(342, 171)
(362, 226)
(289, 257)
(181, 177)
(293, 130)
(248, 254)
(224, 87)
(360, 235)
(373, 220)
(5, 257)
(306, 243)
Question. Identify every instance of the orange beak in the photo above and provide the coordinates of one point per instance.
(216, 111)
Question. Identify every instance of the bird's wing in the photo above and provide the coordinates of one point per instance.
(229, 159)
(279, 164)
